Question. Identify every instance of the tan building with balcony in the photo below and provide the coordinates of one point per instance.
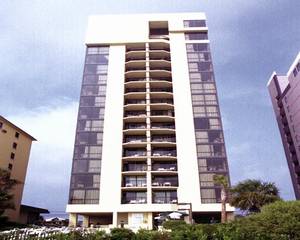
(149, 136)
(15, 145)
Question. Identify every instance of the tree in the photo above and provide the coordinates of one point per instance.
(223, 182)
(251, 195)
(6, 185)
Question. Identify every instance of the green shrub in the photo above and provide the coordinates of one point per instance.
(175, 225)
(121, 234)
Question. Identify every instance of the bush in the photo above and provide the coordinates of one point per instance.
(175, 225)
(121, 234)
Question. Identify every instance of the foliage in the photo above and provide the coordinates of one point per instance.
(251, 195)
(121, 234)
(174, 224)
(224, 183)
(6, 198)
(143, 234)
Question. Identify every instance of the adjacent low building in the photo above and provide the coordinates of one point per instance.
(149, 136)
(285, 95)
(15, 145)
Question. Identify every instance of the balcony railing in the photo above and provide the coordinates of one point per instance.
(135, 153)
(159, 48)
(163, 153)
(135, 79)
(131, 90)
(135, 114)
(135, 59)
(135, 69)
(135, 49)
(135, 126)
(161, 79)
(138, 200)
(135, 101)
(162, 126)
(134, 167)
(160, 68)
(164, 200)
(136, 183)
(163, 139)
(164, 167)
(135, 139)
(164, 183)
(162, 113)
(167, 101)
(161, 90)
(160, 58)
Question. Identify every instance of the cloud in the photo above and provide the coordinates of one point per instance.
(48, 175)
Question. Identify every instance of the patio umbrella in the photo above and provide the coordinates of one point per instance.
(175, 215)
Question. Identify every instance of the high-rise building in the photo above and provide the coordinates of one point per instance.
(285, 95)
(15, 145)
(149, 136)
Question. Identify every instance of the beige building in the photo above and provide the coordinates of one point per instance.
(149, 136)
(15, 147)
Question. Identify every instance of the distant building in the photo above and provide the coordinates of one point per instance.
(15, 145)
(149, 135)
(285, 95)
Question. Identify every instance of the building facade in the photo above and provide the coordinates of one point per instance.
(15, 145)
(149, 135)
(285, 95)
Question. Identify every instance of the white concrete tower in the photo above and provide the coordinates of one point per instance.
(149, 137)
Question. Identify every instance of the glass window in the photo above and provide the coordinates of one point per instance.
(77, 196)
(196, 36)
(214, 123)
(89, 90)
(201, 123)
(194, 23)
(97, 59)
(1, 124)
(98, 50)
(201, 137)
(92, 196)
(197, 47)
(207, 180)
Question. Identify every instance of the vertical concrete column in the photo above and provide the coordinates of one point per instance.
(148, 123)
(73, 219)
(150, 221)
(115, 219)
(86, 221)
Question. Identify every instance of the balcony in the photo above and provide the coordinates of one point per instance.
(162, 101)
(134, 167)
(164, 197)
(158, 68)
(135, 90)
(135, 49)
(135, 114)
(163, 139)
(135, 58)
(163, 153)
(134, 126)
(161, 89)
(159, 48)
(162, 167)
(135, 101)
(127, 80)
(134, 197)
(160, 58)
(134, 182)
(168, 181)
(135, 141)
(131, 69)
(164, 113)
(161, 79)
(135, 153)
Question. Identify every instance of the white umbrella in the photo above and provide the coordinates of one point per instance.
(175, 215)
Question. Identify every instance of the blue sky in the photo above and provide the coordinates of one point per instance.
(42, 53)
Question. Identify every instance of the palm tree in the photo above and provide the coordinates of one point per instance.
(251, 195)
(223, 182)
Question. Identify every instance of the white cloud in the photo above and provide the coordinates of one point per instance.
(48, 175)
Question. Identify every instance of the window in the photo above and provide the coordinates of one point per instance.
(97, 50)
(194, 23)
(12, 156)
(197, 47)
(15, 145)
(295, 72)
(17, 135)
(10, 166)
(196, 36)
(1, 124)
(298, 66)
